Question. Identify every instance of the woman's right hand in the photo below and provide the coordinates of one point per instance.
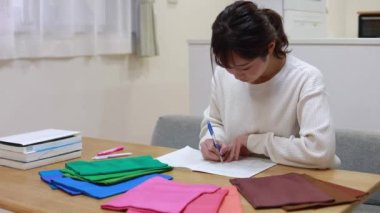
(209, 152)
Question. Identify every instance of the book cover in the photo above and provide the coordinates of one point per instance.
(38, 163)
(41, 146)
(29, 138)
(41, 154)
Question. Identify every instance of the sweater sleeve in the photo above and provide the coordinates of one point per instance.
(315, 145)
(212, 113)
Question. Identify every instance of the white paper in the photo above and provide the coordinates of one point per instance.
(192, 158)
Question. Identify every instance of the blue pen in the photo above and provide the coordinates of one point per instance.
(216, 145)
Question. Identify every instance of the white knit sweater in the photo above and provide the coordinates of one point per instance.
(287, 118)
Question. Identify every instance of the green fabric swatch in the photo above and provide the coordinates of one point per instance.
(113, 178)
(114, 170)
(114, 165)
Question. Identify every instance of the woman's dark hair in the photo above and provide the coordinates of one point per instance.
(244, 29)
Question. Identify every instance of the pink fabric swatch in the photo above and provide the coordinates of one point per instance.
(231, 202)
(136, 210)
(207, 202)
(159, 194)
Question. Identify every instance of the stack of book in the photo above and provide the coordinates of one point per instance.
(39, 148)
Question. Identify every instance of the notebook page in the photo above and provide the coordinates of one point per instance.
(192, 158)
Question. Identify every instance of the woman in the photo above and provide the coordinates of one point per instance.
(264, 101)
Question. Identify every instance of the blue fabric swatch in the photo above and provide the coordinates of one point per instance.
(103, 191)
(48, 175)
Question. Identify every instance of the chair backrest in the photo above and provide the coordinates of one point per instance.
(359, 151)
(177, 131)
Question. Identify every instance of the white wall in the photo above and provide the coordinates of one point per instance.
(336, 18)
(343, 16)
(113, 97)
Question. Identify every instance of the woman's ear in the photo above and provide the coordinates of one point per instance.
(271, 47)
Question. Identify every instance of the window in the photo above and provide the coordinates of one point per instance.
(64, 28)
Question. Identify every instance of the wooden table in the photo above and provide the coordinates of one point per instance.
(23, 191)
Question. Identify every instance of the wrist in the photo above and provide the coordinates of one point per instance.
(257, 143)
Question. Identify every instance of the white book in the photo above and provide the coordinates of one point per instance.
(192, 158)
(38, 163)
(41, 136)
(43, 153)
(41, 146)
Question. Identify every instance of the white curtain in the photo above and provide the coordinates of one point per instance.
(64, 28)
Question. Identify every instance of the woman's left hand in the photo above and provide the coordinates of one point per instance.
(236, 149)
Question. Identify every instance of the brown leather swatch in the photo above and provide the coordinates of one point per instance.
(280, 190)
(341, 194)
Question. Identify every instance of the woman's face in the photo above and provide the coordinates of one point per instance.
(248, 71)
(251, 70)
